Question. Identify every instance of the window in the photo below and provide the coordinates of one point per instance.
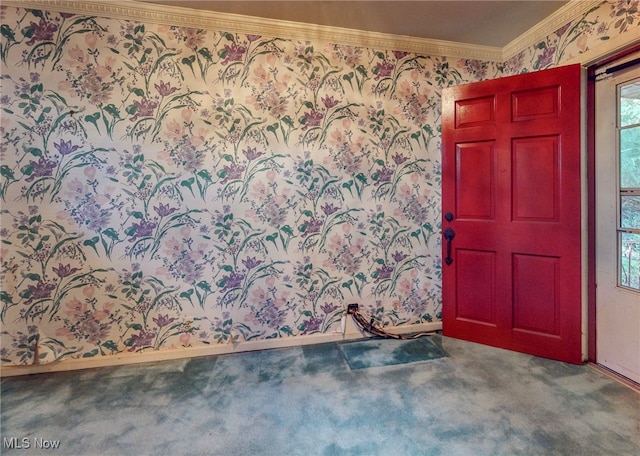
(629, 184)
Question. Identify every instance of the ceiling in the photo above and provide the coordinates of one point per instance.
(477, 22)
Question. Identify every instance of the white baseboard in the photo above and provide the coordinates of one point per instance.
(351, 333)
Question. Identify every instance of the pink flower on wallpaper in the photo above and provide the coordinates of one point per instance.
(174, 130)
(77, 58)
(193, 38)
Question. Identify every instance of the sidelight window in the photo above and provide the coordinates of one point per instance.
(629, 184)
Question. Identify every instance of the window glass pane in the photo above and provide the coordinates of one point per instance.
(630, 157)
(630, 260)
(630, 104)
(630, 212)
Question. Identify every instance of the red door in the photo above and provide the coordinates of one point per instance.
(512, 200)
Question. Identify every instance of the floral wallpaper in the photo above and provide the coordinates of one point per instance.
(165, 187)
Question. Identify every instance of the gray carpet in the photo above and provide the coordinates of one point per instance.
(307, 401)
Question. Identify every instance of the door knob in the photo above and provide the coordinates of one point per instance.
(448, 216)
(449, 234)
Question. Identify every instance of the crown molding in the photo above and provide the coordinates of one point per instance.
(569, 12)
(210, 20)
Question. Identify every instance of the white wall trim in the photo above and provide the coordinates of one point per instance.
(209, 20)
(351, 333)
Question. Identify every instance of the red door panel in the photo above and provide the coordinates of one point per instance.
(475, 179)
(535, 294)
(476, 294)
(512, 189)
(535, 178)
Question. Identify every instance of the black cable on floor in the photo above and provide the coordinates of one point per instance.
(371, 328)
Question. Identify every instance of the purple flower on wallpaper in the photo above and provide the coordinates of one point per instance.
(313, 225)
(41, 168)
(270, 315)
(144, 108)
(384, 175)
(383, 69)
(66, 15)
(163, 320)
(232, 172)
(65, 147)
(233, 280)
(233, 53)
(329, 209)
(186, 269)
(64, 271)
(399, 159)
(329, 102)
(398, 256)
(43, 31)
(163, 210)
(562, 29)
(477, 67)
(142, 229)
(251, 153)
(312, 119)
(546, 58)
(399, 54)
(312, 324)
(40, 291)
(384, 272)
(328, 308)
(165, 88)
(90, 213)
(141, 340)
(253, 38)
(251, 263)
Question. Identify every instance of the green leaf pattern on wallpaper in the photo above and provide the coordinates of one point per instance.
(166, 187)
